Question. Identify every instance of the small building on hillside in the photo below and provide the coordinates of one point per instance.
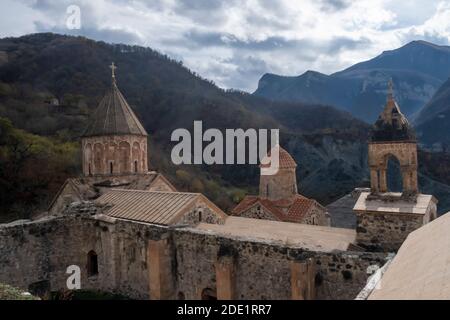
(278, 197)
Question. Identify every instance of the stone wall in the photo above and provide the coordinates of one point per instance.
(317, 215)
(258, 212)
(281, 185)
(262, 270)
(147, 261)
(119, 153)
(385, 231)
(201, 213)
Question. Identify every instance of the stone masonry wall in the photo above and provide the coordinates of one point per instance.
(385, 232)
(258, 212)
(262, 270)
(281, 185)
(38, 253)
(121, 153)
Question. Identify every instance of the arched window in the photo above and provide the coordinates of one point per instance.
(90, 171)
(111, 168)
(135, 166)
(92, 264)
(209, 294)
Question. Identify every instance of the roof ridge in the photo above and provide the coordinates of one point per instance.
(148, 191)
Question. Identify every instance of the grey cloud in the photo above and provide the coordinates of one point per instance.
(432, 37)
(249, 70)
(205, 39)
(344, 43)
(55, 10)
(206, 12)
(334, 5)
(202, 5)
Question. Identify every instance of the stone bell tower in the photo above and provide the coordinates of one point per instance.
(115, 142)
(392, 136)
(385, 218)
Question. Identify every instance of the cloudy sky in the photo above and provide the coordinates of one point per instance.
(234, 42)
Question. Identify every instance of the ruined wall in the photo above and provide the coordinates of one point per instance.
(385, 231)
(146, 261)
(262, 270)
(42, 251)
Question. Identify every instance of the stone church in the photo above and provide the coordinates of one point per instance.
(278, 196)
(131, 233)
(114, 154)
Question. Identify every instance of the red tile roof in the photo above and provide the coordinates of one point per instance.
(286, 160)
(288, 210)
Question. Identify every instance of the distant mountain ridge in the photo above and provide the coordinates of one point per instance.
(433, 122)
(417, 69)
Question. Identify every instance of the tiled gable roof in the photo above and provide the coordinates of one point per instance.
(164, 208)
(289, 210)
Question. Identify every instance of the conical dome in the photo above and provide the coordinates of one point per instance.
(392, 125)
(114, 116)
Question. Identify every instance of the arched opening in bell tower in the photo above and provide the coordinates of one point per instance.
(394, 181)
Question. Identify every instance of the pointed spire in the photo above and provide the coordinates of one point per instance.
(114, 115)
(392, 125)
(390, 95)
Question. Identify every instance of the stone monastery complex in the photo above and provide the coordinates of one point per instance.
(132, 233)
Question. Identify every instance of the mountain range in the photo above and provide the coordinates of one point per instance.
(51, 84)
(433, 122)
(417, 69)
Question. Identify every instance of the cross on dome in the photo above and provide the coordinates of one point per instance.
(113, 70)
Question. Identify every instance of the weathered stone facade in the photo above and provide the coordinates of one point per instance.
(114, 154)
(281, 185)
(148, 261)
(385, 232)
(405, 153)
